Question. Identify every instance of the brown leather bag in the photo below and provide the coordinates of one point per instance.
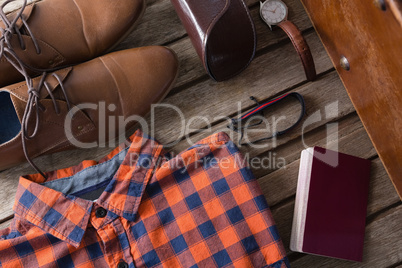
(222, 33)
(364, 40)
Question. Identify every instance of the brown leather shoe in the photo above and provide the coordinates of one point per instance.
(97, 93)
(52, 34)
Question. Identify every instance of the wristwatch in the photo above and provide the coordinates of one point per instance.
(275, 13)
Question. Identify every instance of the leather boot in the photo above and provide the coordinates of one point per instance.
(52, 34)
(82, 104)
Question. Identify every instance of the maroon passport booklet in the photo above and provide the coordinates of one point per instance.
(331, 203)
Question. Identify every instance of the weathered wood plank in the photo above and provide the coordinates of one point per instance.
(285, 74)
(267, 76)
(15, 5)
(50, 162)
(164, 126)
(382, 246)
(275, 70)
(160, 25)
(328, 92)
(273, 185)
(282, 183)
(208, 95)
(64, 159)
(168, 28)
(5, 224)
(333, 130)
(311, 91)
(191, 67)
(378, 200)
(162, 20)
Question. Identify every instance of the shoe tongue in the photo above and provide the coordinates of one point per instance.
(19, 92)
(19, 106)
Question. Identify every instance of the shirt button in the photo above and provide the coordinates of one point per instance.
(122, 264)
(100, 212)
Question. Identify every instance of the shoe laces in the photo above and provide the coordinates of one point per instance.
(12, 28)
(33, 105)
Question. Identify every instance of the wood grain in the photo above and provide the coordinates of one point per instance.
(282, 183)
(275, 71)
(283, 214)
(5, 224)
(372, 47)
(317, 95)
(15, 5)
(163, 18)
(382, 246)
(214, 101)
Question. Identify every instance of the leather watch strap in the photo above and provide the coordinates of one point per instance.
(301, 47)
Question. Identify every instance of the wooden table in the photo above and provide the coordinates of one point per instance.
(276, 70)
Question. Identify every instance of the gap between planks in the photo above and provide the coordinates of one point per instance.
(203, 74)
(381, 248)
(67, 158)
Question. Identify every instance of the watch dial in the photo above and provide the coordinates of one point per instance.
(273, 11)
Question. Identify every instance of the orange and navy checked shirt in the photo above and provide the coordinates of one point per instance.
(138, 208)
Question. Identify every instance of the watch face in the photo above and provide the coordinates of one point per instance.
(273, 11)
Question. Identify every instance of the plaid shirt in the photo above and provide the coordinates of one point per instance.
(137, 208)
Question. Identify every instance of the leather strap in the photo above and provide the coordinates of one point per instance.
(301, 47)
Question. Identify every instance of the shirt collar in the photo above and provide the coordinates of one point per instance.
(65, 216)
